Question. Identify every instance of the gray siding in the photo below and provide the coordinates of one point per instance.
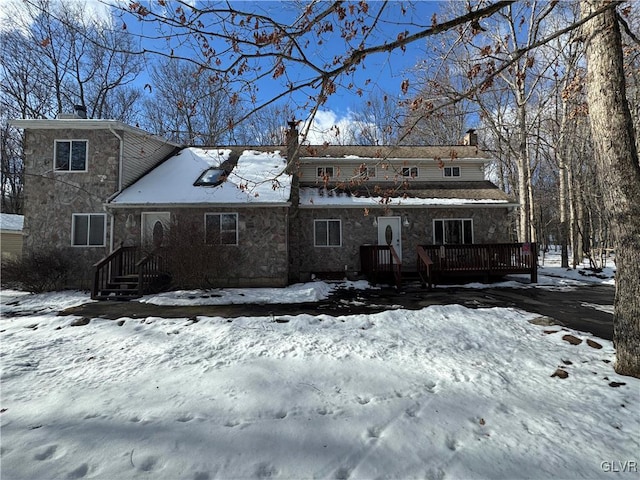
(389, 171)
(11, 244)
(140, 154)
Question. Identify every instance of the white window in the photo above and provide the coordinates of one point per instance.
(327, 233)
(364, 171)
(70, 155)
(221, 228)
(410, 172)
(324, 172)
(451, 171)
(88, 229)
(454, 231)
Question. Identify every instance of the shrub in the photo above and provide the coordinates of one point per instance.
(192, 264)
(38, 271)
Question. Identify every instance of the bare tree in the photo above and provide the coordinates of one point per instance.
(187, 106)
(618, 172)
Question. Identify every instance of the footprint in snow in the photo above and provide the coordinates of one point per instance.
(148, 464)
(266, 470)
(46, 453)
(452, 443)
(413, 410)
(343, 473)
(202, 476)
(187, 417)
(79, 472)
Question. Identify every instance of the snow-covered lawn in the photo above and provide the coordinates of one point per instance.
(443, 392)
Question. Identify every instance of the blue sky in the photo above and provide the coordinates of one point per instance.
(379, 72)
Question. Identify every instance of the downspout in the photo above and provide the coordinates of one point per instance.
(119, 189)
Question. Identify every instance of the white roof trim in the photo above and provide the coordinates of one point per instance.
(84, 124)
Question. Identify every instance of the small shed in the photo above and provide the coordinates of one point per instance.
(11, 234)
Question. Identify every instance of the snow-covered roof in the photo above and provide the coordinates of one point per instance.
(257, 179)
(379, 152)
(426, 196)
(11, 222)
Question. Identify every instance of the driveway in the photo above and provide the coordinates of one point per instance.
(586, 308)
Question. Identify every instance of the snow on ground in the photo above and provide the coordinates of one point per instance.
(298, 293)
(442, 392)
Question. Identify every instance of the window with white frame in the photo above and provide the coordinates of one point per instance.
(454, 231)
(324, 172)
(327, 233)
(88, 229)
(451, 171)
(411, 172)
(70, 155)
(366, 171)
(221, 228)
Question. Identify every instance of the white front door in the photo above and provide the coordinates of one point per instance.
(389, 233)
(155, 228)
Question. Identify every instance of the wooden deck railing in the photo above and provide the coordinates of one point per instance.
(483, 259)
(149, 268)
(122, 261)
(380, 262)
(424, 264)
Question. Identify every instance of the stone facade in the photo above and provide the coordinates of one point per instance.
(490, 225)
(259, 259)
(52, 197)
(276, 244)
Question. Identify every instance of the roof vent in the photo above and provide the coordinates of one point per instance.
(81, 111)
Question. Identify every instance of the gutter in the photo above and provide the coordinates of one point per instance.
(116, 206)
(117, 192)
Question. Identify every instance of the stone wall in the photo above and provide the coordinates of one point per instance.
(259, 259)
(52, 197)
(490, 225)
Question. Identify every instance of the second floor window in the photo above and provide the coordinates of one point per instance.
(451, 171)
(325, 172)
(71, 155)
(410, 172)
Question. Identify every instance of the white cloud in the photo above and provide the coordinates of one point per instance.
(328, 127)
(19, 14)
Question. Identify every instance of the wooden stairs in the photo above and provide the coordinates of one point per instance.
(126, 274)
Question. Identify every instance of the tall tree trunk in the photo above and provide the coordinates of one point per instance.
(616, 159)
(523, 173)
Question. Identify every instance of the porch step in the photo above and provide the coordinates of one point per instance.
(117, 298)
(133, 278)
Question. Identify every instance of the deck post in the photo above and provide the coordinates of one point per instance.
(534, 262)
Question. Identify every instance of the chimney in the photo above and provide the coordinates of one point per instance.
(292, 147)
(81, 111)
(471, 138)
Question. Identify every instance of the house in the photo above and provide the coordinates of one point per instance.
(11, 235)
(405, 196)
(73, 166)
(250, 216)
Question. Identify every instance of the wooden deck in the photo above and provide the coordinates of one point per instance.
(440, 263)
